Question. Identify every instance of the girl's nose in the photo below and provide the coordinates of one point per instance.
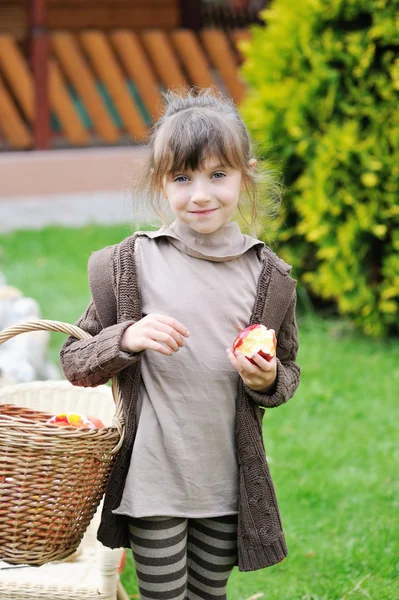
(201, 193)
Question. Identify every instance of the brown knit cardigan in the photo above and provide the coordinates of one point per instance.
(261, 541)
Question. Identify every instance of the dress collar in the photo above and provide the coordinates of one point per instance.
(227, 243)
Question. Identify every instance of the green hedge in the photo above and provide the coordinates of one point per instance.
(323, 102)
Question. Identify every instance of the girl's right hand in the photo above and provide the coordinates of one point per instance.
(150, 331)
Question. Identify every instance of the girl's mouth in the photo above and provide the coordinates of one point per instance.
(204, 212)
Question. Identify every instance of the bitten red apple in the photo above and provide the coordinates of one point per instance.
(256, 339)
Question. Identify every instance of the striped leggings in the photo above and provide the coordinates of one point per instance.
(183, 559)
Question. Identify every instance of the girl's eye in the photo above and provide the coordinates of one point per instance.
(218, 175)
(181, 178)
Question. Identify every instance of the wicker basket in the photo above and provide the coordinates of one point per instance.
(52, 478)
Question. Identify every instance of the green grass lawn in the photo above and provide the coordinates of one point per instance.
(332, 449)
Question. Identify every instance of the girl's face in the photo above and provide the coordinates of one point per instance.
(204, 199)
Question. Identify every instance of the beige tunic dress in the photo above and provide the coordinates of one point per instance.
(184, 460)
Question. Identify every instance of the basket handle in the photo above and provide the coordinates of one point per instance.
(60, 327)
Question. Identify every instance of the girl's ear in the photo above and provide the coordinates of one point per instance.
(252, 163)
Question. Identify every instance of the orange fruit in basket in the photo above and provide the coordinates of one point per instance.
(96, 422)
(58, 420)
(75, 420)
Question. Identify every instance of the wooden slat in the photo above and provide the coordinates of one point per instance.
(93, 4)
(14, 67)
(107, 68)
(13, 19)
(20, 81)
(64, 107)
(111, 17)
(238, 36)
(11, 124)
(222, 57)
(193, 58)
(139, 69)
(163, 58)
(71, 59)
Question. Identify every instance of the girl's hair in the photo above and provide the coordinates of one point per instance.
(194, 126)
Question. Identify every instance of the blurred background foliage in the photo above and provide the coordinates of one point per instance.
(322, 103)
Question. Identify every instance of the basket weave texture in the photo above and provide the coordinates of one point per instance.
(52, 478)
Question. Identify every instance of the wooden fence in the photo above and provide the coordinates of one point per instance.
(104, 87)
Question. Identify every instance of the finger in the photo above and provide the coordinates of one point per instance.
(262, 363)
(248, 379)
(245, 365)
(232, 358)
(240, 362)
(174, 324)
(153, 345)
(169, 331)
(165, 338)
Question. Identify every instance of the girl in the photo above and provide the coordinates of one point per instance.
(190, 490)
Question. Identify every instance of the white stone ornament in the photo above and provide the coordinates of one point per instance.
(24, 357)
(17, 367)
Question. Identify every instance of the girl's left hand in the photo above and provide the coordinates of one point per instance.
(260, 377)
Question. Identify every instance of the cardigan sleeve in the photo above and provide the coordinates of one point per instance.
(288, 372)
(94, 361)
